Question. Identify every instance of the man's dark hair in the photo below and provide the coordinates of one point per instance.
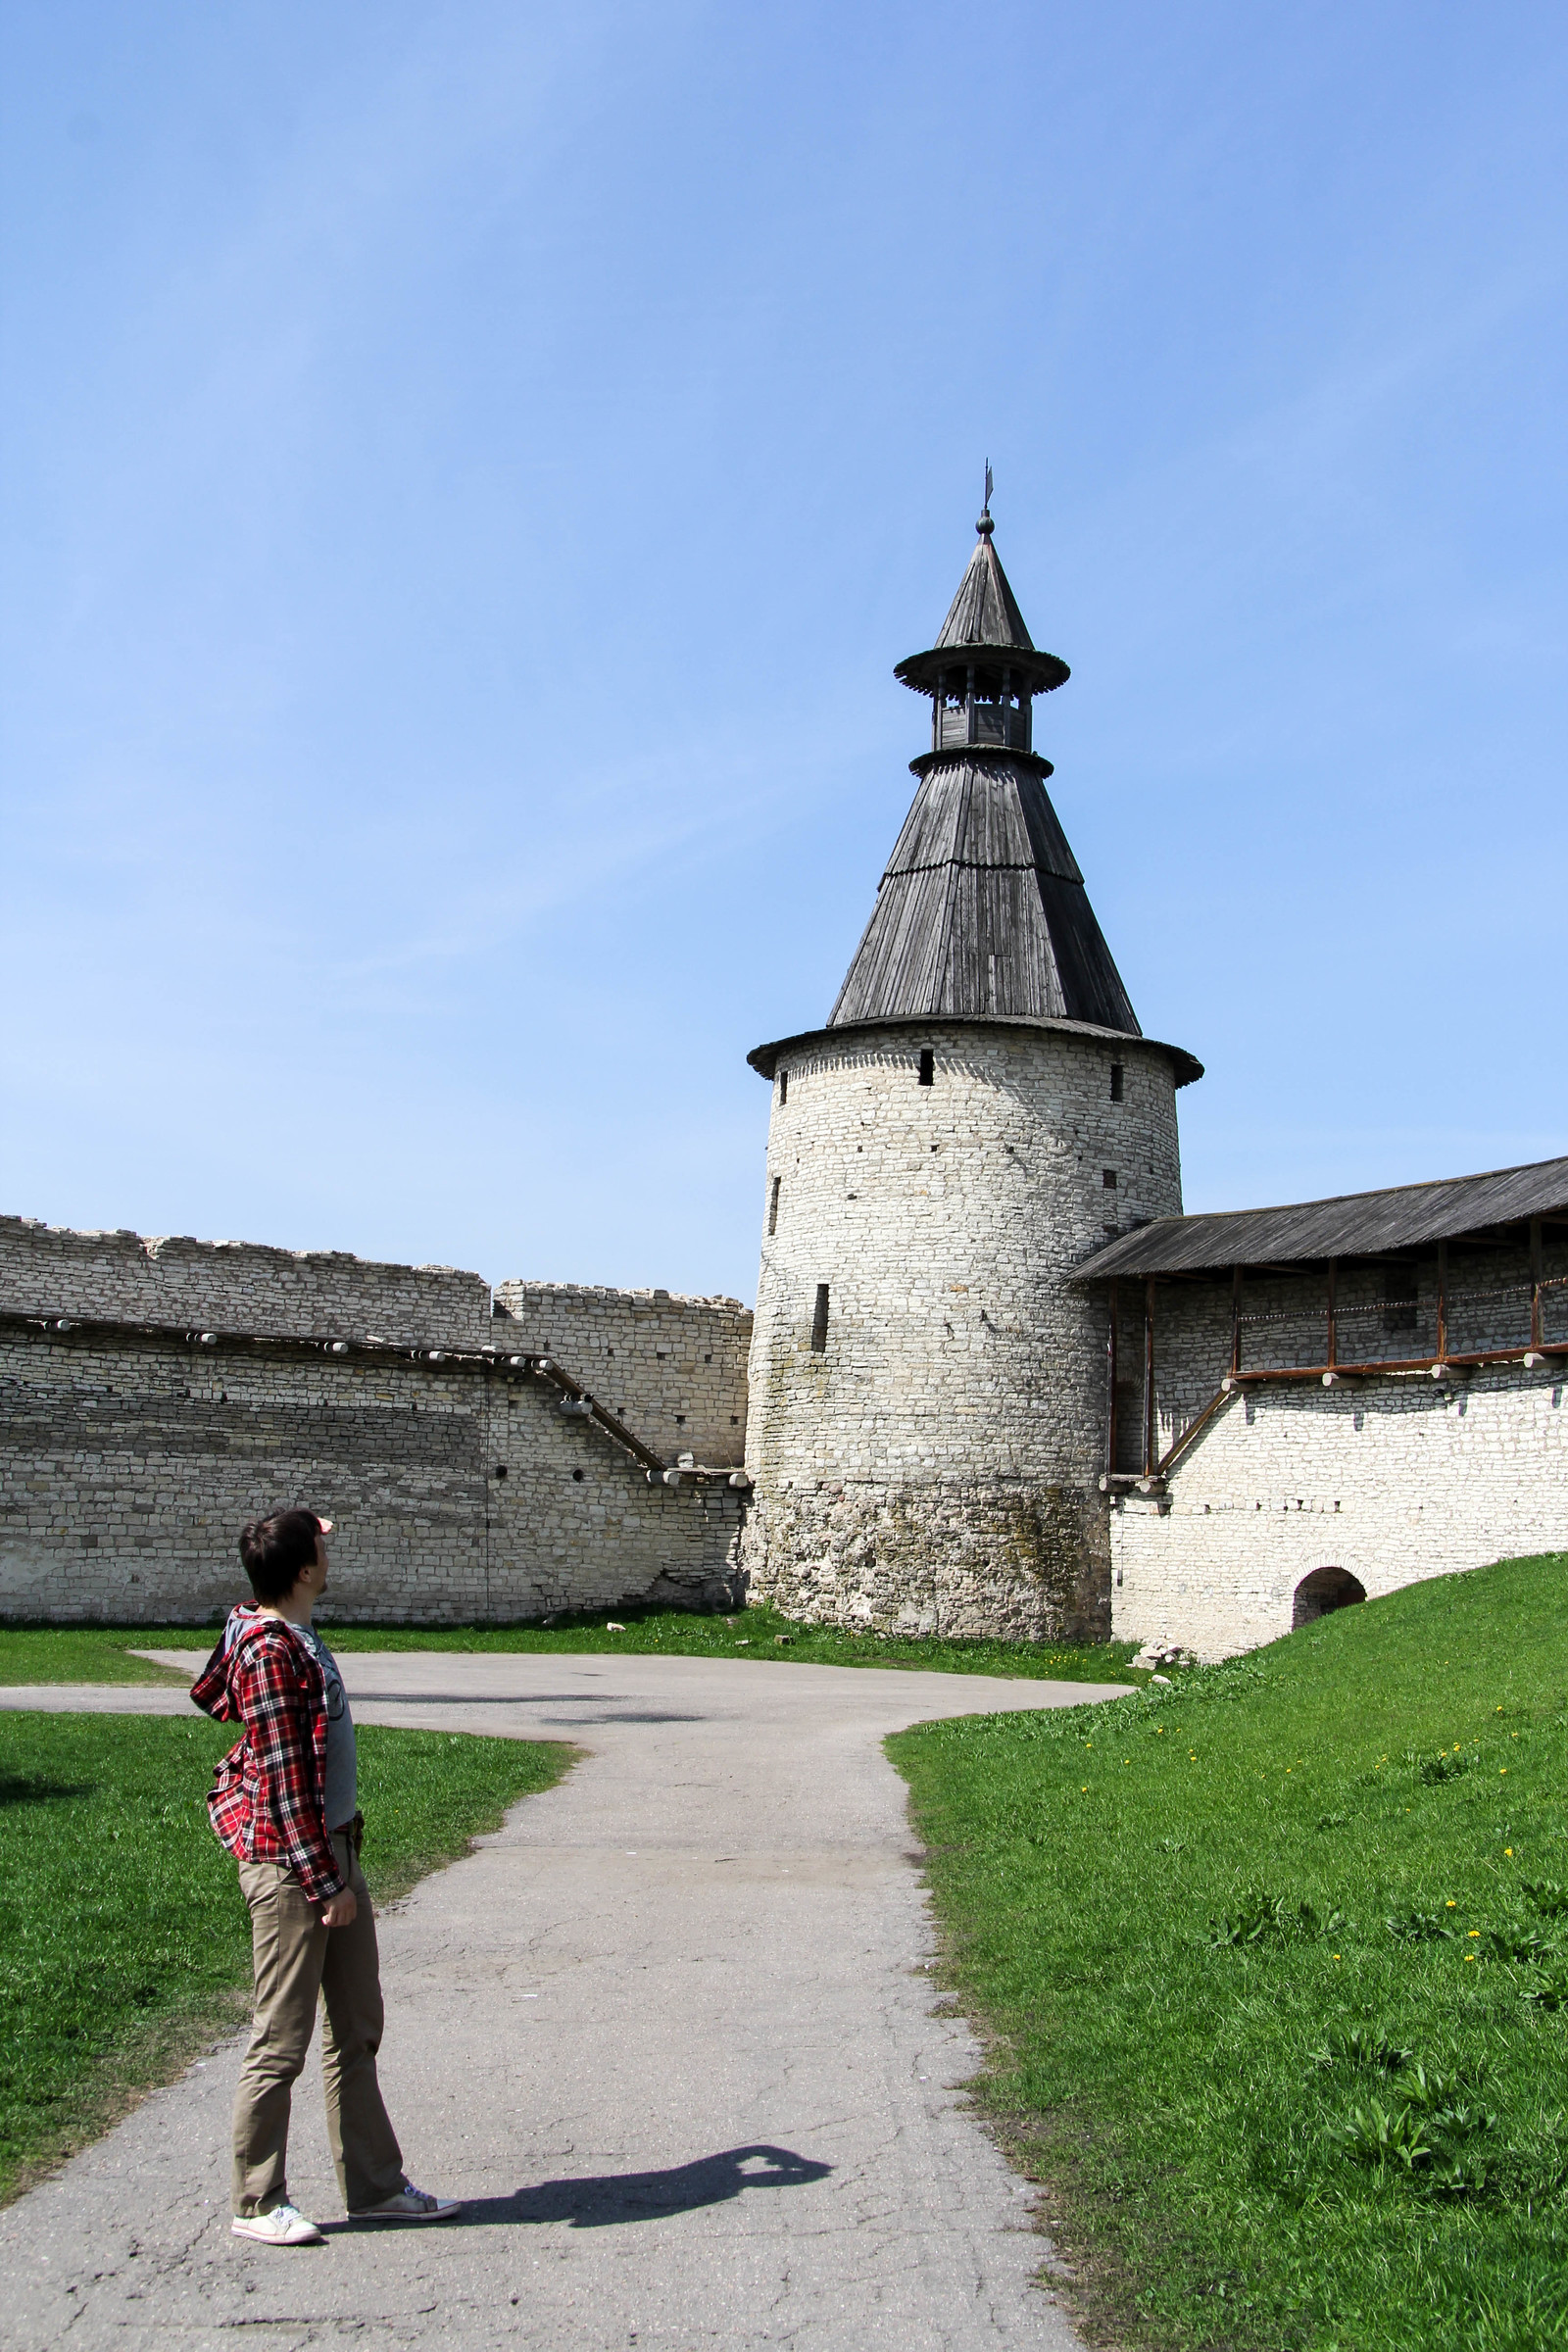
(276, 1549)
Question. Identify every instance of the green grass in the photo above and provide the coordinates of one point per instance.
(90, 1654)
(124, 1943)
(101, 1653)
(1274, 1970)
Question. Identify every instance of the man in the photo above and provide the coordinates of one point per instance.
(283, 1801)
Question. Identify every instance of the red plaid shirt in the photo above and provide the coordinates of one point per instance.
(267, 1794)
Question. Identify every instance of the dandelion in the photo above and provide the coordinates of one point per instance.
(1469, 1955)
(1508, 1852)
(1503, 1770)
(1083, 1791)
(1474, 1930)
(1450, 1905)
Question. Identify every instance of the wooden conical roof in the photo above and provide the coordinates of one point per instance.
(985, 611)
(982, 910)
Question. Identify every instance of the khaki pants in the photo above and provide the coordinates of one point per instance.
(297, 1959)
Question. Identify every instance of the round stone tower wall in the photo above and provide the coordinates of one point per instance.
(933, 1461)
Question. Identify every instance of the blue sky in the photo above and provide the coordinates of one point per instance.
(469, 470)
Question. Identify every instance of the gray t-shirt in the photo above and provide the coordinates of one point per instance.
(342, 1771)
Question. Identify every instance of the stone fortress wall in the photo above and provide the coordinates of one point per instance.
(1414, 1481)
(156, 1394)
(674, 1368)
(935, 1462)
(1391, 1477)
(240, 1286)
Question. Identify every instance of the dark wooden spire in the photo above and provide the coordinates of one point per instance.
(985, 632)
(982, 910)
(985, 611)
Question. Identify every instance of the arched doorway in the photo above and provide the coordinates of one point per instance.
(1324, 1590)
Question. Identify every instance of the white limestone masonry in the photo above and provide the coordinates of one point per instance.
(239, 1286)
(1395, 1478)
(673, 1368)
(130, 1454)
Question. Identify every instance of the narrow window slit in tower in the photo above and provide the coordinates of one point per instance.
(772, 1204)
(783, 1088)
(1115, 1080)
(819, 1320)
(1107, 1177)
(928, 1066)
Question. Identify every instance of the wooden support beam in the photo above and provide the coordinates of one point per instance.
(1334, 1301)
(1535, 1282)
(1236, 1320)
(1199, 1423)
(1443, 1302)
(1548, 1350)
(1111, 1374)
(1149, 1377)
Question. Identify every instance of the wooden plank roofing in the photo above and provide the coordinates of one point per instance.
(981, 909)
(985, 611)
(1407, 1216)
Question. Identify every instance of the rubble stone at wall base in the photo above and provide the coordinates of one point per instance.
(1000, 1559)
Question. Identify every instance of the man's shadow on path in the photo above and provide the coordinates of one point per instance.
(615, 2197)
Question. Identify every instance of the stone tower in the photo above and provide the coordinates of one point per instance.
(929, 1403)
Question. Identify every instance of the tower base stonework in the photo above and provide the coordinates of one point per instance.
(984, 1558)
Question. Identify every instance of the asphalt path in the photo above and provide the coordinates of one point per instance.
(671, 2032)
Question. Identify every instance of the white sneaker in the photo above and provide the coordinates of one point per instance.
(282, 2226)
(410, 2204)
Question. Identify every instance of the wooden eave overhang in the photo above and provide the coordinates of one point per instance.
(1406, 1217)
(764, 1060)
(1039, 673)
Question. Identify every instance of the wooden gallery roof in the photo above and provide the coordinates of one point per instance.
(1406, 1217)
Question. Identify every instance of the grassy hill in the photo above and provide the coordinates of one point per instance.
(1275, 1967)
